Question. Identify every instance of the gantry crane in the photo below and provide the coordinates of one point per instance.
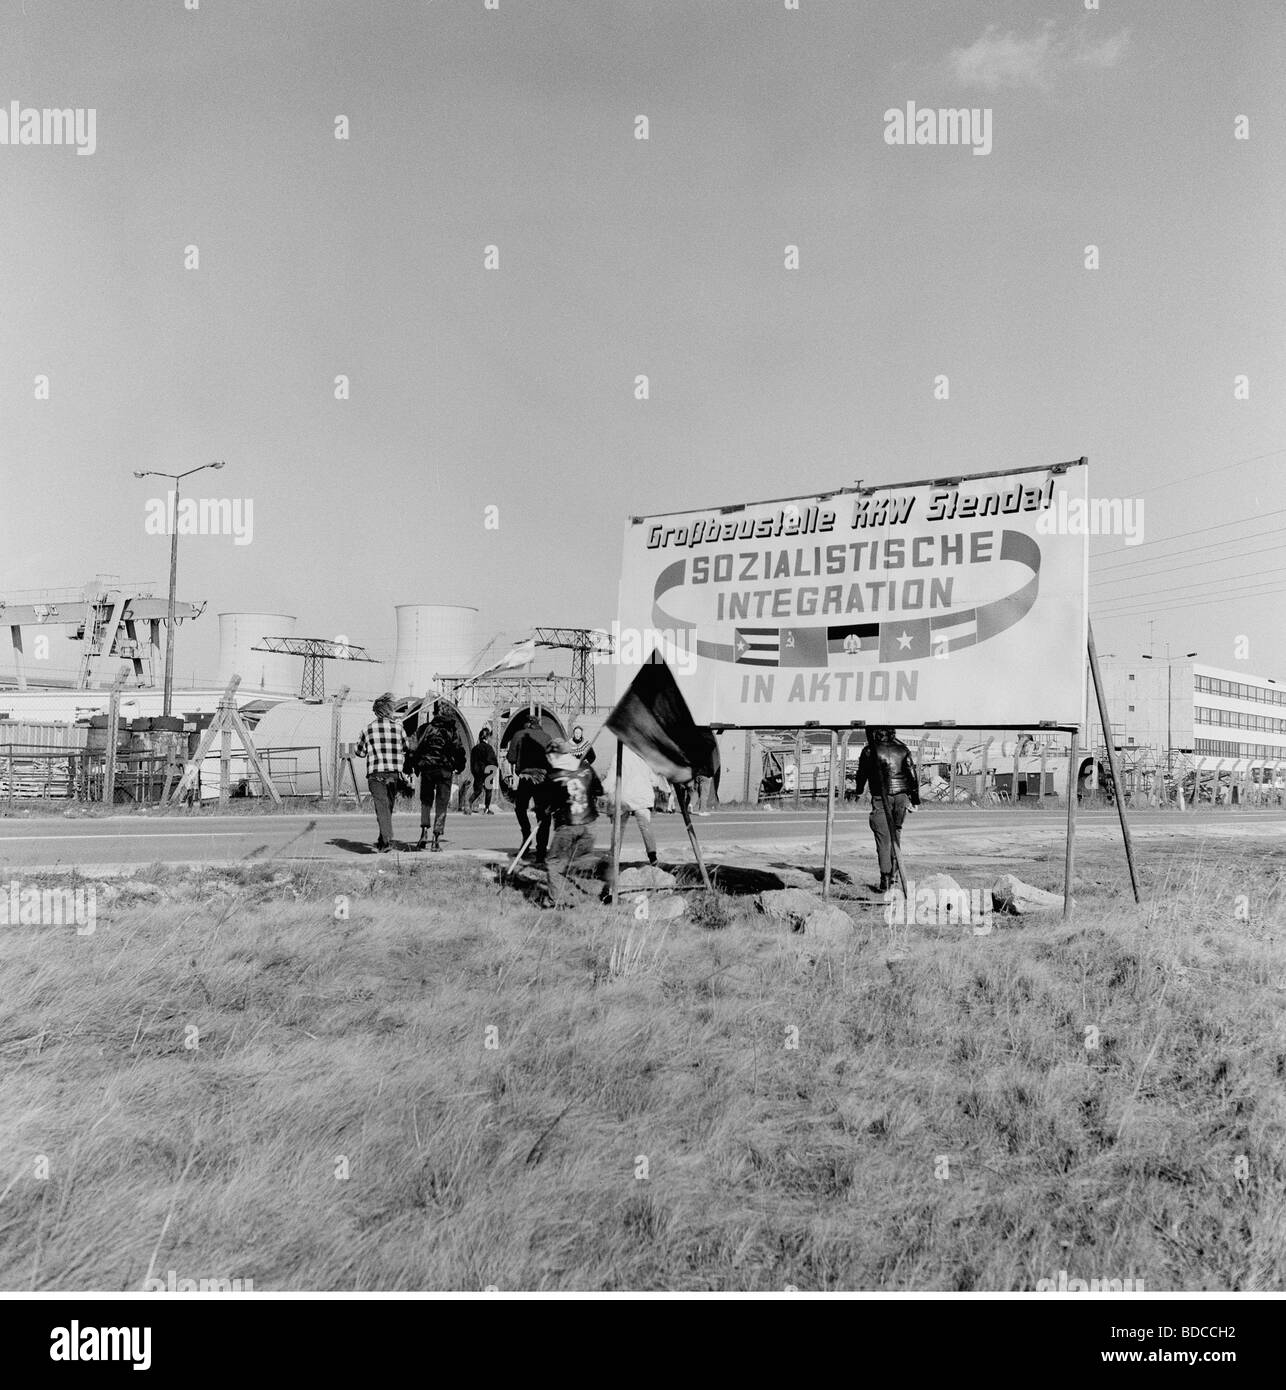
(582, 642)
(315, 651)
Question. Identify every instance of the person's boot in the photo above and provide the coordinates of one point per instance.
(651, 859)
(437, 848)
(424, 837)
(886, 882)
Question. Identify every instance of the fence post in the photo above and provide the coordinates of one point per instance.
(986, 758)
(337, 704)
(955, 749)
(799, 765)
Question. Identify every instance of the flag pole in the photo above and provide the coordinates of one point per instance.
(614, 866)
(682, 794)
(526, 845)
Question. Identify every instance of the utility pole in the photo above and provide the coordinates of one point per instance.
(175, 478)
(1169, 706)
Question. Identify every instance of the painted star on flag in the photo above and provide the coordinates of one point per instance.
(907, 640)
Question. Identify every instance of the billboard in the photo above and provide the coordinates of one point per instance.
(952, 601)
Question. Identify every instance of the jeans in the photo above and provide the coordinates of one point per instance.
(435, 794)
(383, 787)
(486, 783)
(884, 842)
(643, 819)
(529, 795)
(570, 843)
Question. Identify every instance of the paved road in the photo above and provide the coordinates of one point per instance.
(114, 844)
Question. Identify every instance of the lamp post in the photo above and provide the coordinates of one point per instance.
(175, 478)
(1169, 687)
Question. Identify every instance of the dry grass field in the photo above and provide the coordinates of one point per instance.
(450, 1089)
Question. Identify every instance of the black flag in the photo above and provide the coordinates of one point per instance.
(653, 719)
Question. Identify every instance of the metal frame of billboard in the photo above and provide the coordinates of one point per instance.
(860, 489)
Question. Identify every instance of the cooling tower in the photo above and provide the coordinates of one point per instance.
(269, 672)
(432, 639)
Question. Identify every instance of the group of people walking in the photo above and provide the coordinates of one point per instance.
(436, 755)
(554, 780)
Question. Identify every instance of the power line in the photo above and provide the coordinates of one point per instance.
(1188, 603)
(1187, 564)
(1199, 584)
(1221, 468)
(1198, 531)
(1189, 550)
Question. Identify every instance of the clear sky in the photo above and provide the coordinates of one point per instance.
(515, 387)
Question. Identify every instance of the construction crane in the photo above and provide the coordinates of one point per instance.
(112, 619)
(316, 651)
(583, 643)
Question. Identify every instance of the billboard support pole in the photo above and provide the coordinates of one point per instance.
(614, 866)
(1118, 794)
(1069, 853)
(830, 816)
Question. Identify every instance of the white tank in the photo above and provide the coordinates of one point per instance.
(267, 672)
(432, 639)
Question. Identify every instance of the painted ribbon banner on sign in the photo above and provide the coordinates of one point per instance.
(918, 603)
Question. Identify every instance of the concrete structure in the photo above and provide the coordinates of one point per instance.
(432, 639)
(262, 673)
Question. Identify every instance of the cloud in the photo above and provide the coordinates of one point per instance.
(1005, 59)
(1106, 54)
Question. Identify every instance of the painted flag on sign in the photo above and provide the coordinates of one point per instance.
(904, 641)
(756, 646)
(854, 639)
(803, 646)
(952, 631)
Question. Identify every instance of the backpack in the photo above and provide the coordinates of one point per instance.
(439, 748)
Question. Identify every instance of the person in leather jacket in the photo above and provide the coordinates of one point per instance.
(887, 761)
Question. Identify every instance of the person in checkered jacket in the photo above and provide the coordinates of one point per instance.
(383, 745)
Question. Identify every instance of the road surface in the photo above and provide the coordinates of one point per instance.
(118, 844)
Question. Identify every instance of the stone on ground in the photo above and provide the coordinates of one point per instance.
(648, 879)
(1010, 894)
(800, 910)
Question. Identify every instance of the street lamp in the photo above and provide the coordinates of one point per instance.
(175, 478)
(1169, 682)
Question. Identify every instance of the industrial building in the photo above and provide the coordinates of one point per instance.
(67, 648)
(1174, 716)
